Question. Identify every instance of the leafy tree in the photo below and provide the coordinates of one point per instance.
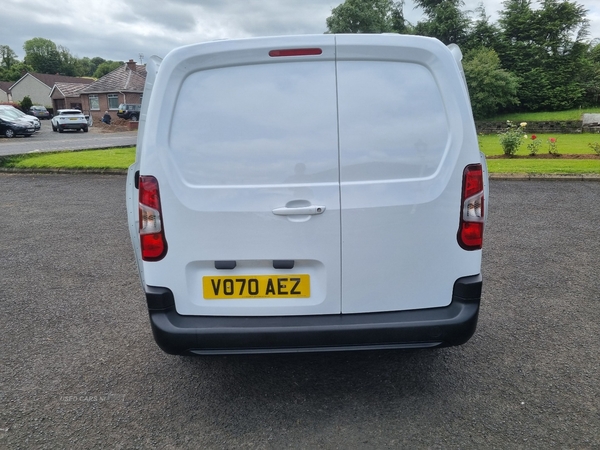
(590, 75)
(490, 86)
(7, 57)
(84, 67)
(367, 16)
(94, 63)
(15, 72)
(69, 64)
(106, 67)
(446, 21)
(481, 33)
(43, 55)
(546, 48)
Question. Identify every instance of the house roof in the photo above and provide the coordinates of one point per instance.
(68, 89)
(49, 79)
(5, 85)
(126, 78)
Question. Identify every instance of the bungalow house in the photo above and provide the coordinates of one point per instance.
(123, 85)
(39, 85)
(5, 91)
(67, 96)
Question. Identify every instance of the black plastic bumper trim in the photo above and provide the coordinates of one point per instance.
(283, 264)
(435, 327)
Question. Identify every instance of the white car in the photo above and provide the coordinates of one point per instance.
(69, 119)
(308, 193)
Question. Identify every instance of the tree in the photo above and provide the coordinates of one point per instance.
(15, 72)
(367, 16)
(490, 86)
(43, 55)
(7, 57)
(106, 67)
(446, 21)
(68, 62)
(546, 48)
(590, 75)
(481, 33)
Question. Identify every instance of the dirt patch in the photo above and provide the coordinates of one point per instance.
(545, 156)
(116, 126)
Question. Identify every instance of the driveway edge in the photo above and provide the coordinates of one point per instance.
(493, 176)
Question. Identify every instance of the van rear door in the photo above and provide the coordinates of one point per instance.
(248, 176)
(405, 139)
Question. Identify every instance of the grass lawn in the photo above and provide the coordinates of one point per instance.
(113, 158)
(566, 144)
(571, 114)
(122, 158)
(544, 166)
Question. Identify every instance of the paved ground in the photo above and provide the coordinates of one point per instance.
(79, 368)
(46, 140)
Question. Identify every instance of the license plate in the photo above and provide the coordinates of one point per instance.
(256, 286)
(73, 118)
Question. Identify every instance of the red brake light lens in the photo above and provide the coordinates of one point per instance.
(152, 234)
(470, 232)
(295, 52)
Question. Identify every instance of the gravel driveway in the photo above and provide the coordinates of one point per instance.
(79, 367)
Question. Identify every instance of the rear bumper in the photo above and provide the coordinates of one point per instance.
(72, 126)
(436, 327)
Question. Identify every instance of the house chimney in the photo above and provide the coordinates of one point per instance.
(131, 65)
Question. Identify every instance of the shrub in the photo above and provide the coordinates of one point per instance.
(26, 103)
(512, 138)
(534, 145)
(596, 147)
(552, 147)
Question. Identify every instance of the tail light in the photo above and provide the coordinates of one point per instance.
(470, 232)
(152, 233)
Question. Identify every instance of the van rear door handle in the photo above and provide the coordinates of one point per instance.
(299, 211)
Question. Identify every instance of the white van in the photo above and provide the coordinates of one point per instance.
(308, 193)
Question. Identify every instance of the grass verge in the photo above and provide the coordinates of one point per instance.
(570, 114)
(556, 166)
(566, 144)
(122, 158)
(112, 158)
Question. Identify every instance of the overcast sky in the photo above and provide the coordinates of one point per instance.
(122, 29)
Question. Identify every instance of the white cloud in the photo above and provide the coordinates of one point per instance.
(122, 29)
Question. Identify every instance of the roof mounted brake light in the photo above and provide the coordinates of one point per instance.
(295, 52)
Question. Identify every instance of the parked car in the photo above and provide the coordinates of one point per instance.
(39, 111)
(129, 111)
(18, 114)
(11, 126)
(308, 193)
(69, 119)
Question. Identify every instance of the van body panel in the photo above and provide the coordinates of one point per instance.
(343, 164)
(247, 134)
(401, 160)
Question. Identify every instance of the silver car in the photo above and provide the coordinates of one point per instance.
(15, 113)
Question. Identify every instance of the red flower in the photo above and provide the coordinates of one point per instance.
(553, 140)
(533, 137)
